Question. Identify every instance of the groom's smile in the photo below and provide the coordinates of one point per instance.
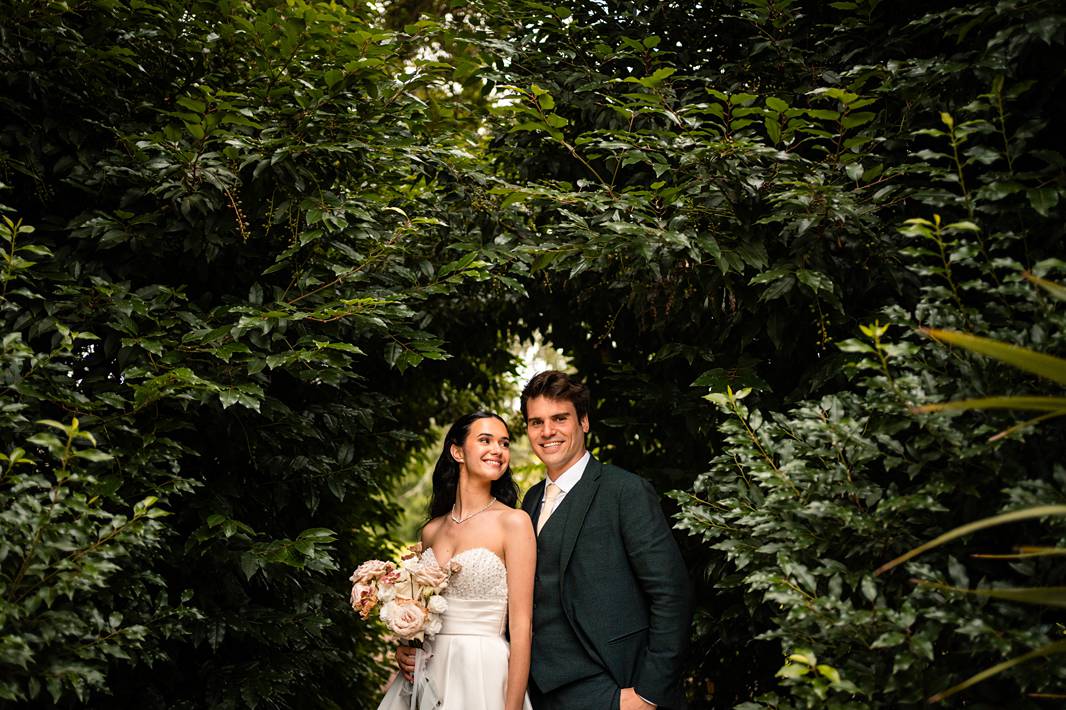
(555, 433)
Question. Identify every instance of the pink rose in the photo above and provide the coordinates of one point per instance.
(371, 570)
(429, 575)
(406, 620)
(364, 598)
(392, 576)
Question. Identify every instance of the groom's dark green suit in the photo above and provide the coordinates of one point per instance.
(612, 593)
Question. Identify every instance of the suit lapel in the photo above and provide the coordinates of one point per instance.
(577, 503)
(532, 500)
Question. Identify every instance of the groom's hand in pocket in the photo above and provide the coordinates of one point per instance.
(629, 700)
(405, 661)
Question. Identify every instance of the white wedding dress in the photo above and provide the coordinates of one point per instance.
(463, 667)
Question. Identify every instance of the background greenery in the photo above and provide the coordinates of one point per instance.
(256, 250)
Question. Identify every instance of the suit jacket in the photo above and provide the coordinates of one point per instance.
(624, 588)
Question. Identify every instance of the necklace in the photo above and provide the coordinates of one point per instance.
(459, 521)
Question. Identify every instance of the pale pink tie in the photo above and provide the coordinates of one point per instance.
(548, 507)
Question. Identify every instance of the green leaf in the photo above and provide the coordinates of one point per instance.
(773, 129)
(814, 280)
(1047, 366)
(94, 455)
(1044, 404)
(1043, 596)
(1043, 200)
(793, 670)
(194, 105)
(1056, 290)
(333, 77)
(1024, 552)
(659, 75)
(778, 272)
(249, 564)
(889, 640)
(514, 198)
(832, 674)
(860, 118)
(321, 535)
(1040, 511)
(775, 104)
(228, 397)
(1046, 650)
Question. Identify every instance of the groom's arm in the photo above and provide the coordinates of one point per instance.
(658, 566)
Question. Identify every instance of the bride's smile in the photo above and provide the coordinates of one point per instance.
(486, 452)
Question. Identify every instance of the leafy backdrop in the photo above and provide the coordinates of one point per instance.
(255, 249)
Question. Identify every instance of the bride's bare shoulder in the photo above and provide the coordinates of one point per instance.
(430, 530)
(516, 520)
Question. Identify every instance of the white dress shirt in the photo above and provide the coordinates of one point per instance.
(567, 480)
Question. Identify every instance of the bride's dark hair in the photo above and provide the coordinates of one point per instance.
(446, 472)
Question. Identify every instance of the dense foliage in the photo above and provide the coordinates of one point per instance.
(256, 248)
(724, 210)
(235, 236)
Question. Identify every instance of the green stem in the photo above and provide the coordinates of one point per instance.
(958, 169)
(997, 87)
(766, 456)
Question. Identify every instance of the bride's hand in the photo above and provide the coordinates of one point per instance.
(405, 661)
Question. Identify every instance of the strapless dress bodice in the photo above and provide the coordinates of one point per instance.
(482, 575)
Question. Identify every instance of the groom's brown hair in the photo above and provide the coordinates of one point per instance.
(554, 384)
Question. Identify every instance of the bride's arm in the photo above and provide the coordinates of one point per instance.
(520, 554)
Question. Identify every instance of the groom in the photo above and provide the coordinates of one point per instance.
(611, 604)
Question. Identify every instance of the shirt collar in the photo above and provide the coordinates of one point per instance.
(572, 475)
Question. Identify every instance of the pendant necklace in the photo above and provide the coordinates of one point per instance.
(459, 521)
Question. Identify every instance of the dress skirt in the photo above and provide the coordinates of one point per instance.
(464, 667)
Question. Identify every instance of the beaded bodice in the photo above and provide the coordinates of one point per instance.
(483, 575)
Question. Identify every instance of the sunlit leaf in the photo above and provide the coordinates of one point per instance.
(1056, 290)
(1044, 596)
(1046, 650)
(1041, 511)
(1040, 403)
(1047, 366)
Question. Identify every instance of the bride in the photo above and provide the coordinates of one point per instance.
(473, 521)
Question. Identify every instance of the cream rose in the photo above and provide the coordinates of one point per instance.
(406, 620)
(437, 604)
(371, 570)
(402, 585)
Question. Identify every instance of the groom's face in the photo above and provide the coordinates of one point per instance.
(555, 433)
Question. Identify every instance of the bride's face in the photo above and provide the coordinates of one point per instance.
(486, 453)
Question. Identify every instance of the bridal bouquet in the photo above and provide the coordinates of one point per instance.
(408, 593)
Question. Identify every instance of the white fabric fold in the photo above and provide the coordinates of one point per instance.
(464, 667)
